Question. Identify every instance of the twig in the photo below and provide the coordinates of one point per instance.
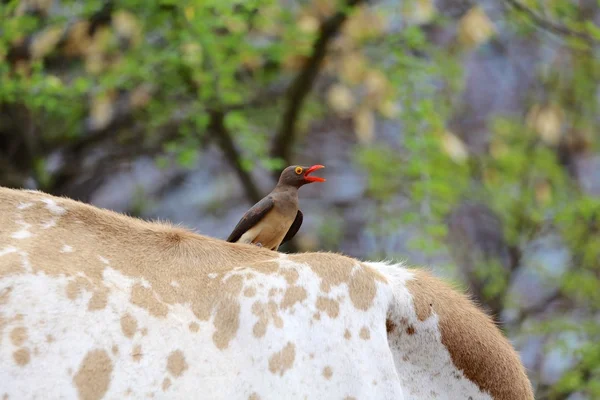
(302, 85)
(548, 25)
(217, 127)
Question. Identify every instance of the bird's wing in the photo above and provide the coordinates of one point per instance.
(251, 218)
(294, 227)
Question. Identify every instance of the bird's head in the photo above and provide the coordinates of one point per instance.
(298, 175)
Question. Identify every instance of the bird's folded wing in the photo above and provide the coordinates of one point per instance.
(251, 218)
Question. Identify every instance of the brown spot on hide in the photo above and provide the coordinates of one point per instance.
(136, 354)
(365, 334)
(93, 377)
(166, 384)
(266, 313)
(327, 372)
(410, 330)
(176, 364)
(18, 336)
(128, 325)
(227, 322)
(389, 326)
(250, 292)
(254, 396)
(194, 327)
(22, 357)
(347, 334)
(99, 300)
(290, 275)
(115, 349)
(144, 297)
(49, 338)
(331, 307)
(362, 289)
(282, 360)
(5, 295)
(293, 295)
(334, 269)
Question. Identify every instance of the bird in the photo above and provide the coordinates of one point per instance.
(276, 218)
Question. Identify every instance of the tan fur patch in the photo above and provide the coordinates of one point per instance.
(93, 377)
(22, 357)
(365, 334)
(250, 292)
(362, 289)
(176, 364)
(290, 275)
(327, 372)
(128, 325)
(266, 267)
(137, 354)
(254, 396)
(293, 295)
(166, 384)
(331, 307)
(18, 336)
(347, 335)
(491, 355)
(98, 300)
(335, 269)
(283, 360)
(194, 327)
(266, 313)
(5, 295)
(227, 322)
(11, 265)
(144, 297)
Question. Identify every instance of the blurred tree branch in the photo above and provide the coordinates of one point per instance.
(303, 83)
(234, 158)
(549, 25)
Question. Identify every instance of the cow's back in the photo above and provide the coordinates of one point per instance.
(98, 305)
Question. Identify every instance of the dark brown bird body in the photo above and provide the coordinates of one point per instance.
(276, 218)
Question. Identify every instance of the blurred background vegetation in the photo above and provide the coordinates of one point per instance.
(458, 135)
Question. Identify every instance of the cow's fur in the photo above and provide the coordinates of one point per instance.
(94, 304)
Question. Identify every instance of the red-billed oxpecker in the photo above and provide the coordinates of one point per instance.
(276, 218)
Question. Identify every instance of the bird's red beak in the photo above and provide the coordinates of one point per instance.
(313, 178)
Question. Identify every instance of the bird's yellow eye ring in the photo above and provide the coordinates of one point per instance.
(298, 170)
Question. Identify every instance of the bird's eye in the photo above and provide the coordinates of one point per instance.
(298, 170)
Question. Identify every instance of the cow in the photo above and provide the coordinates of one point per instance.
(95, 304)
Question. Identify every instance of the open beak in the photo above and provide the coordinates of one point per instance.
(313, 178)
